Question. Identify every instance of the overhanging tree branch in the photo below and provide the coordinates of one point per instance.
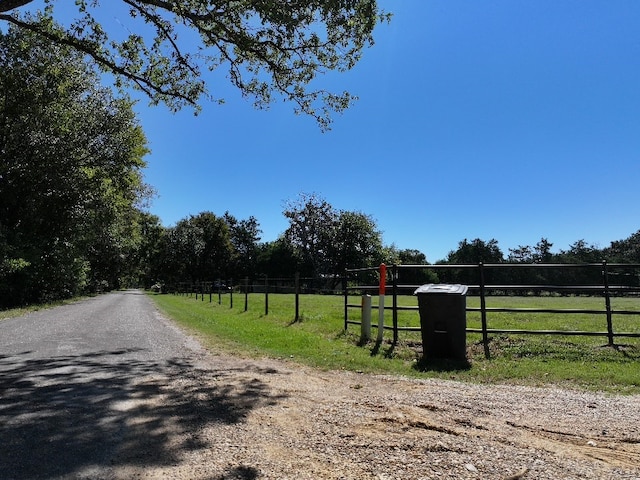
(8, 5)
(267, 46)
(145, 85)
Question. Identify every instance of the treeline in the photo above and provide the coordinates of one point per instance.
(71, 188)
(321, 242)
(473, 252)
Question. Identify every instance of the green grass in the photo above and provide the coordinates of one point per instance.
(318, 339)
(16, 312)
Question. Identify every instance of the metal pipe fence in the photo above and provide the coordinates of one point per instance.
(296, 285)
(598, 276)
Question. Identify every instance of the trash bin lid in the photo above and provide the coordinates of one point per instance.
(430, 288)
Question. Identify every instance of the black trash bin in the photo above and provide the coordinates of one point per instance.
(443, 320)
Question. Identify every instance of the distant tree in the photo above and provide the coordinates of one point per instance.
(476, 251)
(624, 251)
(71, 157)
(149, 258)
(278, 259)
(581, 252)
(355, 242)
(472, 253)
(521, 254)
(268, 47)
(542, 251)
(312, 221)
(245, 235)
(197, 249)
(415, 276)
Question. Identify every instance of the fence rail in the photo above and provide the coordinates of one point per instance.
(296, 285)
(601, 271)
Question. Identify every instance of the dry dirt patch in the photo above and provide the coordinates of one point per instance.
(306, 424)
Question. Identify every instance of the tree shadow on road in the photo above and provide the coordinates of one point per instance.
(70, 414)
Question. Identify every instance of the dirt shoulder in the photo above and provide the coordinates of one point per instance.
(292, 422)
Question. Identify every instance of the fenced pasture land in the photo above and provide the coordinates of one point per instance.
(538, 315)
(318, 337)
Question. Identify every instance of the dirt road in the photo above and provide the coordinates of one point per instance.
(110, 389)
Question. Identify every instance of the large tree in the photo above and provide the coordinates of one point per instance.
(326, 241)
(245, 235)
(70, 173)
(356, 242)
(312, 221)
(267, 47)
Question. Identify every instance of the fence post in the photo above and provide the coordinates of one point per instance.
(246, 293)
(394, 290)
(607, 303)
(266, 295)
(297, 286)
(231, 293)
(483, 313)
(365, 324)
(346, 300)
(381, 292)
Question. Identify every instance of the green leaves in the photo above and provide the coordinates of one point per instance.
(269, 48)
(70, 173)
(328, 240)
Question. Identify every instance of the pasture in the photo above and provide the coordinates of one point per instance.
(318, 338)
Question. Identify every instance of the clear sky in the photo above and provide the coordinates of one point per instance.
(506, 119)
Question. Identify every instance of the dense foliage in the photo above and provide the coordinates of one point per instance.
(472, 252)
(320, 242)
(266, 48)
(70, 174)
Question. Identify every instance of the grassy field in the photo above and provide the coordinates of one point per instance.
(318, 339)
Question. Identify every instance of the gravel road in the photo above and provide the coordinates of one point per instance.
(71, 382)
(108, 388)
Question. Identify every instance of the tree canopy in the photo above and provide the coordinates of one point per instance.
(70, 174)
(269, 48)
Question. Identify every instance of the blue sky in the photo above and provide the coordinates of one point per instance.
(506, 119)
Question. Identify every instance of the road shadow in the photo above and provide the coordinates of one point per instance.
(69, 414)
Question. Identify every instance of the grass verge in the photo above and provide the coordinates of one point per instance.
(318, 339)
(16, 312)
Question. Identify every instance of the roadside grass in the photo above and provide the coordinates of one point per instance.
(16, 312)
(318, 339)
